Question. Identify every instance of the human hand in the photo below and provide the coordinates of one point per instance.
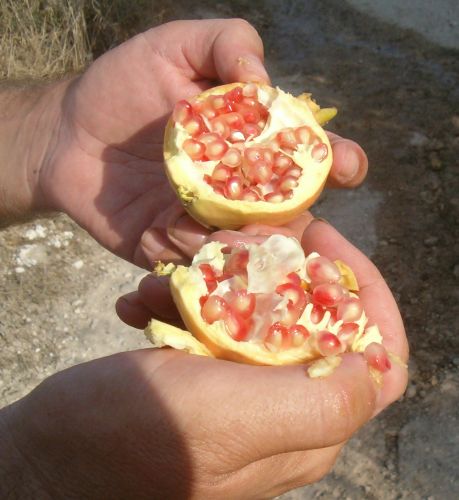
(153, 299)
(105, 167)
(164, 424)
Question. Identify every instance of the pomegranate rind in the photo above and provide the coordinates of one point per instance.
(188, 286)
(214, 210)
(164, 335)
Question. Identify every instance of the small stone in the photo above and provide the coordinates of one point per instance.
(435, 162)
(434, 381)
(78, 264)
(417, 139)
(455, 121)
(456, 270)
(411, 391)
(456, 361)
(431, 241)
(19, 270)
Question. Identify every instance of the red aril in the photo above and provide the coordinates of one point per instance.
(233, 188)
(236, 327)
(322, 270)
(327, 294)
(376, 357)
(299, 335)
(278, 337)
(214, 309)
(183, 111)
(243, 303)
(349, 309)
(215, 150)
(194, 149)
(221, 173)
(328, 344)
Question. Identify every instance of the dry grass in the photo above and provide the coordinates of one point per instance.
(47, 38)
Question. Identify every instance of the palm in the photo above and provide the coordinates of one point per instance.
(111, 175)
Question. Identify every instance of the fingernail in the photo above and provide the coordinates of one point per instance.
(255, 69)
(351, 165)
(187, 234)
(152, 242)
(321, 219)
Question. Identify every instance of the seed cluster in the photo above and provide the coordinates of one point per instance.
(236, 307)
(223, 128)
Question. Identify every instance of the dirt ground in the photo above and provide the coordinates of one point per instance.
(397, 95)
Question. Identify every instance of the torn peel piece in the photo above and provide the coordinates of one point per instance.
(164, 335)
(266, 304)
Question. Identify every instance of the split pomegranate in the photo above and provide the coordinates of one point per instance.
(245, 153)
(268, 303)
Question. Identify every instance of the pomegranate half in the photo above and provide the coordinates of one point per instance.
(269, 304)
(245, 153)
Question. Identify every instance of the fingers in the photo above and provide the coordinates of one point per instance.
(273, 410)
(272, 476)
(152, 300)
(350, 163)
(379, 304)
(229, 50)
(173, 237)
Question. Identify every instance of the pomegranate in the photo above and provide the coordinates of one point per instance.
(244, 153)
(269, 304)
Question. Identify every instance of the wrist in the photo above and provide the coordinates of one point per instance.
(29, 130)
(17, 477)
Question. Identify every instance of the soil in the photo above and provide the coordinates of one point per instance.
(397, 95)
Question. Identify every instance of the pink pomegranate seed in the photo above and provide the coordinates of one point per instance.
(216, 149)
(349, 309)
(250, 90)
(194, 149)
(205, 109)
(233, 188)
(251, 102)
(288, 195)
(235, 326)
(243, 303)
(328, 344)
(293, 293)
(376, 356)
(217, 102)
(182, 112)
(253, 154)
(221, 173)
(250, 130)
(299, 335)
(278, 336)
(287, 138)
(234, 95)
(294, 279)
(249, 194)
(281, 163)
(234, 120)
(261, 124)
(208, 137)
(322, 270)
(207, 272)
(194, 126)
(319, 152)
(219, 126)
(268, 156)
(294, 171)
(260, 173)
(274, 197)
(303, 135)
(215, 308)
(317, 314)
(232, 158)
(287, 183)
(327, 294)
(347, 333)
(236, 263)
